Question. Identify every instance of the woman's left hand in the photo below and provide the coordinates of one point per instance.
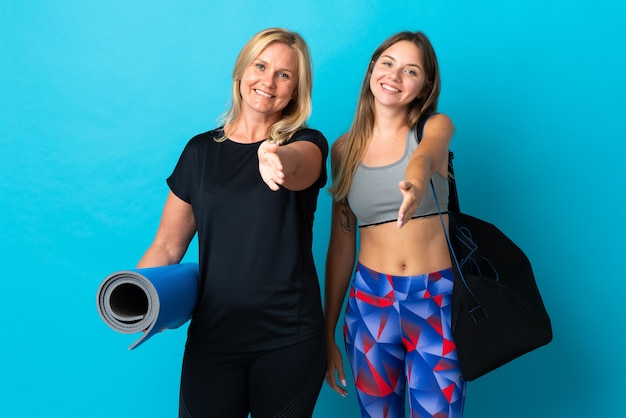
(270, 166)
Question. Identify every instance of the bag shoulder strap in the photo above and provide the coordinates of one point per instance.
(476, 309)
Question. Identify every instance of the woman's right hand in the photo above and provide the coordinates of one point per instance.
(335, 364)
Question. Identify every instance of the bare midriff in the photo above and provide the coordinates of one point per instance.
(419, 247)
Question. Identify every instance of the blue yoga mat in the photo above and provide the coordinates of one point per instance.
(148, 300)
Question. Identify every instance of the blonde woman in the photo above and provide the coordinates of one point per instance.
(249, 190)
(397, 320)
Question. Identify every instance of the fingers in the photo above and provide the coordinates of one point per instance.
(406, 209)
(270, 166)
(409, 203)
(342, 379)
(271, 178)
(271, 184)
(270, 156)
(335, 365)
(334, 384)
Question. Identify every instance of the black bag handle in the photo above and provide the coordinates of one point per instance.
(477, 311)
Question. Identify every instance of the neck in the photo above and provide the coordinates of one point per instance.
(390, 123)
(249, 129)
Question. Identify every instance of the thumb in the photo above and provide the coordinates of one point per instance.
(404, 185)
(271, 147)
(341, 375)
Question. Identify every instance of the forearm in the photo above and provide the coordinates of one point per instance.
(302, 164)
(432, 152)
(419, 171)
(336, 286)
(291, 158)
(340, 260)
(159, 254)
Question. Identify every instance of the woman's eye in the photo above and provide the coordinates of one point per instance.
(411, 72)
(260, 66)
(283, 75)
(386, 63)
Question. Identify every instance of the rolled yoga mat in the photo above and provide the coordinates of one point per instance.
(148, 300)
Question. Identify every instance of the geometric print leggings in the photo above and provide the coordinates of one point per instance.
(398, 338)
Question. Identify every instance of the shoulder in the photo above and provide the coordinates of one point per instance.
(206, 136)
(311, 135)
(203, 140)
(337, 149)
(438, 121)
(437, 125)
(339, 145)
(308, 134)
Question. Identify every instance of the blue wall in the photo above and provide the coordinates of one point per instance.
(97, 100)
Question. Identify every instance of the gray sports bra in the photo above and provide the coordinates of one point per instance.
(375, 198)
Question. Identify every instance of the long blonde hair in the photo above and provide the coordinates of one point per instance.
(355, 142)
(298, 110)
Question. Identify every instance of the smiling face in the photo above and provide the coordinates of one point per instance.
(398, 75)
(269, 82)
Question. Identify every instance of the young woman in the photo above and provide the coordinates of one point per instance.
(397, 322)
(249, 189)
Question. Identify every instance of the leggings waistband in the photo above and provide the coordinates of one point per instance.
(403, 287)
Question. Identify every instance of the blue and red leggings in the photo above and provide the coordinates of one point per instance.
(397, 333)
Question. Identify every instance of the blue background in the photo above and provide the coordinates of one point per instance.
(97, 100)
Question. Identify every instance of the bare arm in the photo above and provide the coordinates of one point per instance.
(294, 166)
(339, 265)
(176, 229)
(429, 157)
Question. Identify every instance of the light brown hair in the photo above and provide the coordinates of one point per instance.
(357, 139)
